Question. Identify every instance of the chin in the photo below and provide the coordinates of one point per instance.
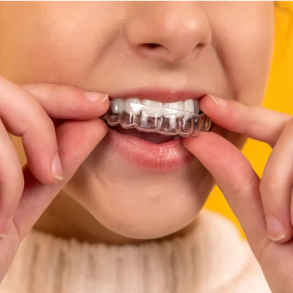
(139, 202)
(141, 216)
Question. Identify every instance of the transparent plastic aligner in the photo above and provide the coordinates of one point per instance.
(152, 116)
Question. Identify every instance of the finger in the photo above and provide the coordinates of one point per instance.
(67, 102)
(11, 181)
(238, 182)
(23, 116)
(276, 187)
(36, 197)
(255, 122)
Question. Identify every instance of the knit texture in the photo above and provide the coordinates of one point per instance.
(212, 258)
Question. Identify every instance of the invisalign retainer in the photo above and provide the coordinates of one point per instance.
(153, 116)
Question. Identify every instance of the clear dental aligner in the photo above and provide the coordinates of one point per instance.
(180, 118)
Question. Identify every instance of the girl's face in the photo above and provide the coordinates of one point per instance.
(163, 51)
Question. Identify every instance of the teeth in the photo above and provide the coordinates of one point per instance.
(132, 105)
(117, 105)
(156, 111)
(188, 105)
(176, 105)
(196, 106)
(173, 109)
(177, 118)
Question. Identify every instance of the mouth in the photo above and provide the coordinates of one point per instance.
(147, 128)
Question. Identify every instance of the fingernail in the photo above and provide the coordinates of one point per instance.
(96, 97)
(275, 228)
(57, 171)
(218, 101)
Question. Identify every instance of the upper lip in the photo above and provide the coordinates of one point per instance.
(160, 95)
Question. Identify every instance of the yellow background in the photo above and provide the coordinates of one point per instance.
(279, 97)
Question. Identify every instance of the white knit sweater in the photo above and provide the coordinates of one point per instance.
(210, 259)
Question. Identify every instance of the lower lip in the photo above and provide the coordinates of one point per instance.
(168, 156)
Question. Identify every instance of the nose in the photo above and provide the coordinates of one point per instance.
(170, 31)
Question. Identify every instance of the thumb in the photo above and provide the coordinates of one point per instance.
(237, 180)
(76, 140)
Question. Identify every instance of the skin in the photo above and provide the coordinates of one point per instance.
(198, 44)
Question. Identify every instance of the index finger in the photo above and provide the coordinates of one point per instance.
(68, 102)
(255, 122)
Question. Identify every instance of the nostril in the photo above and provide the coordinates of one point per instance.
(152, 45)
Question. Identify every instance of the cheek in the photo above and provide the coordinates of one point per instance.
(245, 46)
(244, 43)
(56, 46)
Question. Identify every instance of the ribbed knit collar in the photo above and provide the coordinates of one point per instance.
(204, 260)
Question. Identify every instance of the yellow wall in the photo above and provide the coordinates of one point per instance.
(279, 97)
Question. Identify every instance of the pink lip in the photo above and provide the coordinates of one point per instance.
(160, 95)
(163, 157)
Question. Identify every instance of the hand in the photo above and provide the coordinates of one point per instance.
(53, 154)
(263, 207)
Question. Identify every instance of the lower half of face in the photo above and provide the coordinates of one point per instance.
(142, 185)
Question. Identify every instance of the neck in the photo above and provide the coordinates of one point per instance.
(67, 219)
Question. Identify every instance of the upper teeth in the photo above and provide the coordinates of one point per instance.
(153, 108)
